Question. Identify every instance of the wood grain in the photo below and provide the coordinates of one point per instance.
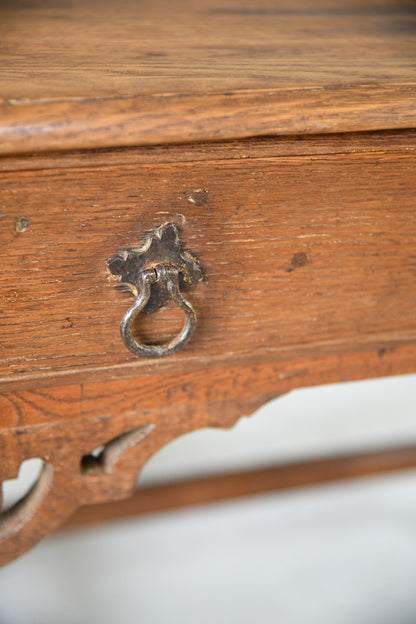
(151, 47)
(221, 487)
(72, 477)
(205, 393)
(152, 120)
(141, 73)
(308, 243)
(295, 145)
(304, 255)
(61, 425)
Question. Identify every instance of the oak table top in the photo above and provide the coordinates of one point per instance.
(138, 73)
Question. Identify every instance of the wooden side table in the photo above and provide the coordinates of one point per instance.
(250, 169)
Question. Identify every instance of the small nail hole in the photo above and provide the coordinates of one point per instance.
(21, 224)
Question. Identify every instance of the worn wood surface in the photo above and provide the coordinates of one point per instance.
(71, 477)
(220, 487)
(64, 424)
(294, 145)
(304, 255)
(308, 243)
(130, 73)
(203, 390)
(153, 47)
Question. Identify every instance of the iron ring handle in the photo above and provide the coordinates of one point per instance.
(149, 277)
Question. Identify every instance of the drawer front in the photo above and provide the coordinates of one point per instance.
(303, 255)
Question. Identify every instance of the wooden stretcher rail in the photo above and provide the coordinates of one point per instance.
(248, 483)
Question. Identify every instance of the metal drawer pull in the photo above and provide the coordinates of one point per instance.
(169, 275)
(154, 273)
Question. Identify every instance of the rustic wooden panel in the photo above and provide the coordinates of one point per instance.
(299, 145)
(72, 476)
(106, 122)
(73, 76)
(303, 256)
(63, 425)
(201, 46)
(210, 392)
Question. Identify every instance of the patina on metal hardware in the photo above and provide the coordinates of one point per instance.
(154, 273)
